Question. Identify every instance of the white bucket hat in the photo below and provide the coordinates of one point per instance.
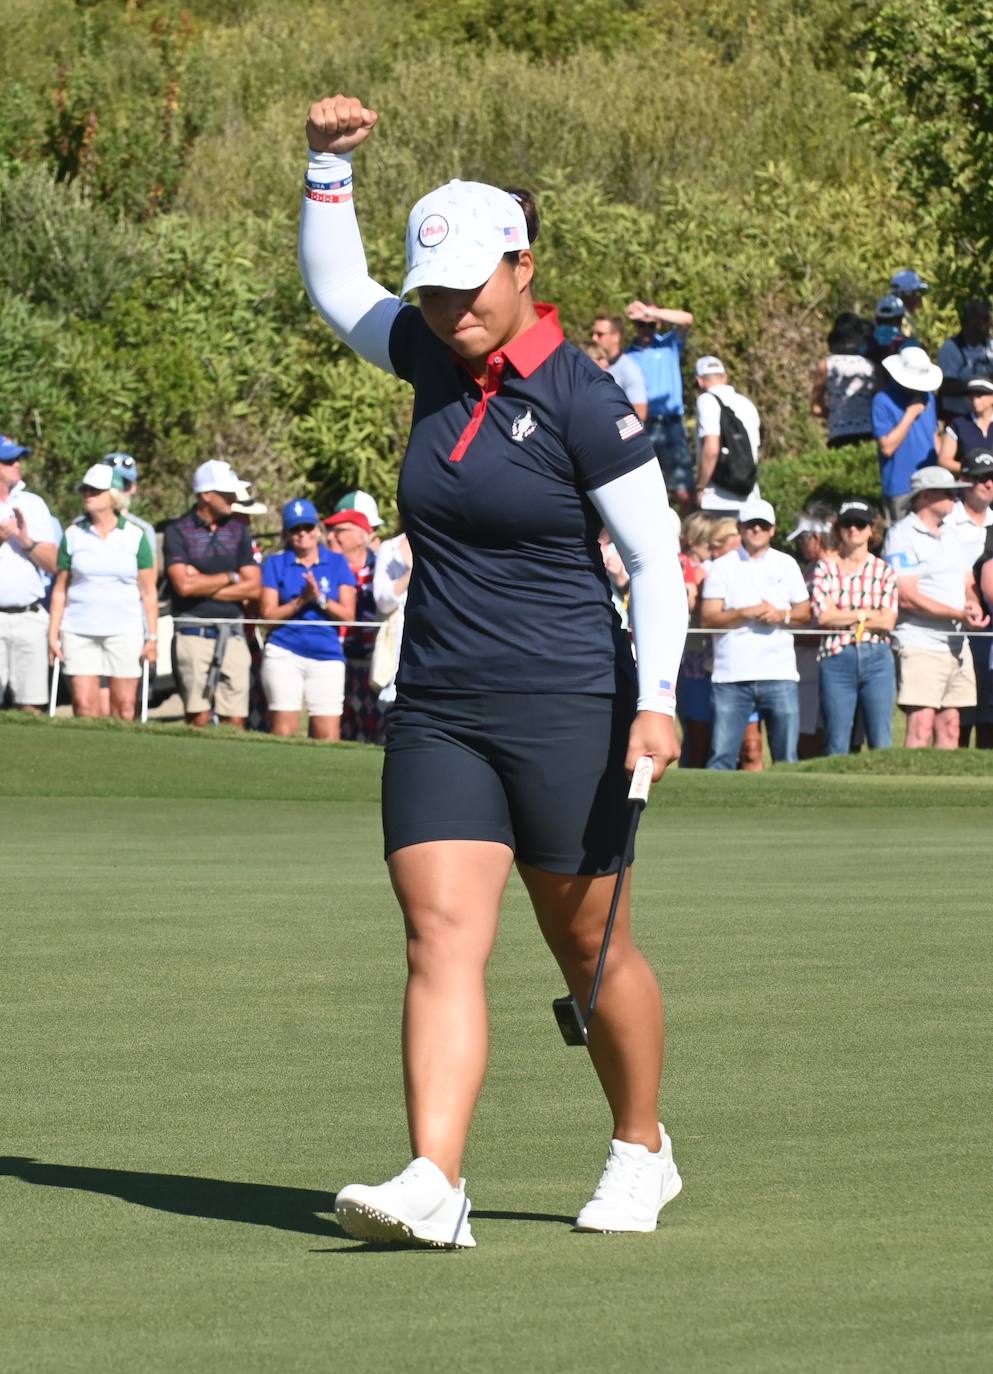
(912, 368)
(457, 234)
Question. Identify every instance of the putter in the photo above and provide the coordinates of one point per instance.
(144, 691)
(568, 1013)
(53, 695)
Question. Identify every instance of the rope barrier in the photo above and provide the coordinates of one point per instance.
(375, 624)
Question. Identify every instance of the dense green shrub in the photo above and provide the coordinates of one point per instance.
(151, 154)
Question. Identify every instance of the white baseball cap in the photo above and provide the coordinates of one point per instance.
(757, 510)
(709, 366)
(216, 475)
(457, 234)
(100, 477)
(912, 368)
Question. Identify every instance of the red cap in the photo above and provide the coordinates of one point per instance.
(349, 517)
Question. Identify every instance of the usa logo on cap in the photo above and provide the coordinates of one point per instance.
(433, 230)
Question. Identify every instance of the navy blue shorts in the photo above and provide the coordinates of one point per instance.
(541, 772)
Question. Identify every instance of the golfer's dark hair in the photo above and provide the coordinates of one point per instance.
(531, 218)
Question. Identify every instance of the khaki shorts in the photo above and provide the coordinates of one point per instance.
(290, 681)
(192, 657)
(102, 655)
(936, 678)
(24, 656)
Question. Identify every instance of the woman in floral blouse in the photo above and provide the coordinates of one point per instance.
(854, 592)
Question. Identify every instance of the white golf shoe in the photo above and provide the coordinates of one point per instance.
(418, 1205)
(634, 1187)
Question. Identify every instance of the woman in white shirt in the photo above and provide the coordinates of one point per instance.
(105, 581)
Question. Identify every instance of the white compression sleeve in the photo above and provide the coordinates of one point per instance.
(332, 261)
(635, 510)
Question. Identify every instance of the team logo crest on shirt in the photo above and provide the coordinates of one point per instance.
(523, 427)
(324, 584)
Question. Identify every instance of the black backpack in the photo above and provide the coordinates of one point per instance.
(735, 470)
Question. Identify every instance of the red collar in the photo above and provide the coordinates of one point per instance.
(529, 350)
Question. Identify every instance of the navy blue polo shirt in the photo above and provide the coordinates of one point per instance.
(284, 573)
(223, 547)
(508, 591)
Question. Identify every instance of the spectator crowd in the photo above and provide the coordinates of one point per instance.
(882, 604)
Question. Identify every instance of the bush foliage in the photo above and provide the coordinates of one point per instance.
(718, 156)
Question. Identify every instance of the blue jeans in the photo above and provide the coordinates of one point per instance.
(778, 705)
(668, 436)
(861, 675)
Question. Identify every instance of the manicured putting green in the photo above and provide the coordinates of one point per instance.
(201, 975)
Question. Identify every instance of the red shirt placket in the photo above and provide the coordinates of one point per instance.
(489, 387)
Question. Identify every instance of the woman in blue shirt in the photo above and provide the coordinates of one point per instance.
(308, 587)
(518, 711)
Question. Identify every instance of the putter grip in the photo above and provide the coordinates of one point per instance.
(641, 780)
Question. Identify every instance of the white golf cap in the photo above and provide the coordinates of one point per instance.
(362, 502)
(757, 510)
(100, 477)
(934, 478)
(709, 366)
(457, 234)
(912, 368)
(216, 475)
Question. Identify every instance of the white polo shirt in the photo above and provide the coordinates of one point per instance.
(971, 536)
(21, 583)
(708, 422)
(103, 597)
(754, 652)
(940, 561)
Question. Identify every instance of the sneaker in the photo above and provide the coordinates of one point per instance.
(634, 1187)
(418, 1205)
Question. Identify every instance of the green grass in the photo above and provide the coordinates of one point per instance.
(201, 974)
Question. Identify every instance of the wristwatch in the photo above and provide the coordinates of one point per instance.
(234, 577)
(787, 615)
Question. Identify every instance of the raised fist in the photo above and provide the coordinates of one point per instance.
(338, 123)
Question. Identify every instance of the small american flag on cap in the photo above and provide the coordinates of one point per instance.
(629, 426)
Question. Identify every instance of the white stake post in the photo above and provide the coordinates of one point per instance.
(144, 691)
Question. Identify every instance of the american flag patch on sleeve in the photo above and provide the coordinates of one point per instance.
(629, 426)
(666, 690)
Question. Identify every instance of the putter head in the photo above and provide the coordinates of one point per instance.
(570, 1018)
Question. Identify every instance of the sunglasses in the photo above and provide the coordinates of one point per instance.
(855, 524)
(301, 529)
(91, 491)
(756, 525)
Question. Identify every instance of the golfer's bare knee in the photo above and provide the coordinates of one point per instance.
(439, 936)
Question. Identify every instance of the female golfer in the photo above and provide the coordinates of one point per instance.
(517, 714)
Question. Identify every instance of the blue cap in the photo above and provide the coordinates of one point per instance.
(908, 280)
(300, 512)
(9, 451)
(890, 308)
(123, 464)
